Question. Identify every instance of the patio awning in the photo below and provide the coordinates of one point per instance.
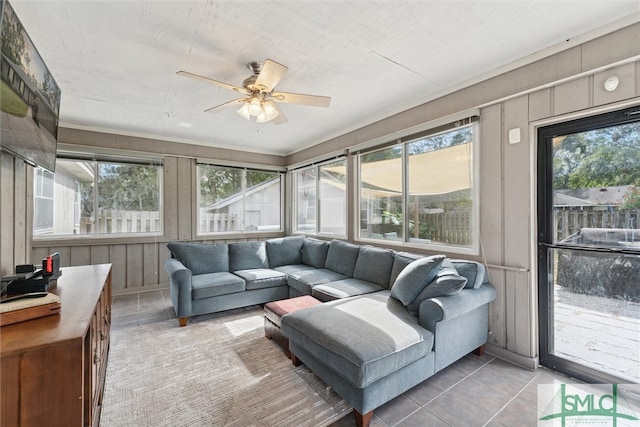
(435, 172)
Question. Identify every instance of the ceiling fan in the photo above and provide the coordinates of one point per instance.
(260, 97)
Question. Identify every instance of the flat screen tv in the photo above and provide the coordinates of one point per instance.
(30, 97)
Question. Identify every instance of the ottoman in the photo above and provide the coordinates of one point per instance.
(274, 311)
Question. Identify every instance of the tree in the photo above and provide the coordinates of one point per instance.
(631, 199)
(598, 158)
(13, 44)
(128, 187)
(219, 183)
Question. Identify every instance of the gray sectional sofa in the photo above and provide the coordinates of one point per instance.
(390, 319)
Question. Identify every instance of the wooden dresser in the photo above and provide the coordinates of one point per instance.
(52, 369)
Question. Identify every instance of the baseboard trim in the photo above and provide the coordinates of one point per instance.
(530, 363)
(139, 289)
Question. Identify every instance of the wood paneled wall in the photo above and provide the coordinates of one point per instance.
(16, 219)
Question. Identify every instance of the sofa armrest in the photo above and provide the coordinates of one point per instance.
(180, 286)
(459, 323)
(447, 307)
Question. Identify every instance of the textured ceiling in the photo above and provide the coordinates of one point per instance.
(116, 61)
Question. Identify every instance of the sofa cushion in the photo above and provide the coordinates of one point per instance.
(400, 261)
(201, 258)
(446, 282)
(260, 278)
(374, 265)
(475, 272)
(247, 255)
(343, 289)
(289, 269)
(362, 339)
(342, 257)
(215, 284)
(284, 251)
(415, 276)
(303, 281)
(314, 252)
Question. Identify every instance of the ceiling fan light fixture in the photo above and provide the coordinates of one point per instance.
(270, 110)
(255, 106)
(262, 118)
(244, 111)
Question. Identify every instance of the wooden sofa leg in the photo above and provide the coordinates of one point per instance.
(479, 351)
(295, 360)
(182, 321)
(363, 420)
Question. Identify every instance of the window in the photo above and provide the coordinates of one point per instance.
(238, 200)
(97, 197)
(43, 202)
(381, 193)
(420, 191)
(321, 199)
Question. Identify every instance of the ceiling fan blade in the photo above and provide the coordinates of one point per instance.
(280, 118)
(270, 74)
(215, 82)
(233, 103)
(302, 99)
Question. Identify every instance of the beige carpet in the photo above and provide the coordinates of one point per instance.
(220, 370)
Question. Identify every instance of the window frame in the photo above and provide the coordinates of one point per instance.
(282, 178)
(39, 187)
(546, 243)
(406, 241)
(317, 231)
(95, 161)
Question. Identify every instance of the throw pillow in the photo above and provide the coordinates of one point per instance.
(415, 276)
(446, 282)
(400, 261)
(475, 272)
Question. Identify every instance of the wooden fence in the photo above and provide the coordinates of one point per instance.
(446, 227)
(218, 222)
(451, 228)
(455, 227)
(113, 221)
(570, 220)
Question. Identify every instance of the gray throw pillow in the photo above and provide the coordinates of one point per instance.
(475, 272)
(201, 258)
(415, 276)
(446, 282)
(400, 261)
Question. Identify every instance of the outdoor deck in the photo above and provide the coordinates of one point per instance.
(602, 333)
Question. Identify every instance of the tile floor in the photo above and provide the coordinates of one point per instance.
(475, 391)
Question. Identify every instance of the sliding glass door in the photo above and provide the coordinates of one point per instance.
(589, 247)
